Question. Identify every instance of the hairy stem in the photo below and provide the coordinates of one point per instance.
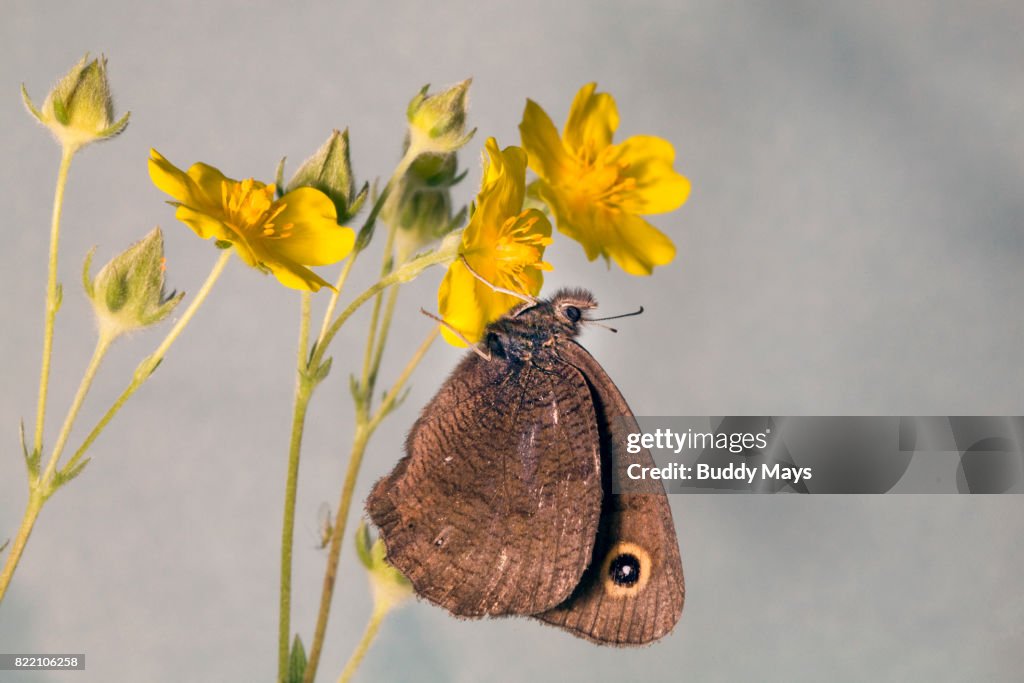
(364, 430)
(303, 392)
(52, 298)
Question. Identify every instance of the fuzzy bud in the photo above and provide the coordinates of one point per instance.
(437, 123)
(80, 108)
(128, 293)
(330, 171)
(390, 587)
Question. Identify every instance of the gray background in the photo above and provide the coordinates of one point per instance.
(852, 245)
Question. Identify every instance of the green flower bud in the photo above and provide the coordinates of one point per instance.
(128, 293)
(80, 109)
(330, 171)
(390, 588)
(423, 212)
(437, 123)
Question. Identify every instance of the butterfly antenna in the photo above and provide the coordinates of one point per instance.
(620, 315)
(457, 333)
(501, 290)
(597, 321)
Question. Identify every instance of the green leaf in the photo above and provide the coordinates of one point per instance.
(116, 128)
(86, 267)
(363, 543)
(31, 458)
(28, 104)
(279, 185)
(60, 111)
(296, 661)
(323, 370)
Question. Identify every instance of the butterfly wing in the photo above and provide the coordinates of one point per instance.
(495, 507)
(632, 592)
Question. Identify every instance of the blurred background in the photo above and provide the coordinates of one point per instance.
(852, 246)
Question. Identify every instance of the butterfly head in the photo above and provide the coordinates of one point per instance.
(538, 324)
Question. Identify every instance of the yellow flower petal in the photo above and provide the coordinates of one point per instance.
(211, 183)
(171, 180)
(459, 307)
(293, 275)
(544, 148)
(634, 244)
(592, 120)
(314, 236)
(648, 161)
(204, 225)
(504, 186)
(577, 225)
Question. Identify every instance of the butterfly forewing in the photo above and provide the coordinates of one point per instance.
(475, 514)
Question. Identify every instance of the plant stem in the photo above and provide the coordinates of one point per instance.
(369, 379)
(41, 489)
(35, 504)
(364, 430)
(315, 359)
(102, 346)
(335, 295)
(369, 634)
(402, 274)
(303, 392)
(52, 298)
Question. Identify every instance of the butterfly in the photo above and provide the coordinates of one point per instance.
(506, 500)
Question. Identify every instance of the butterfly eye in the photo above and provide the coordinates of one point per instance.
(624, 570)
(572, 313)
(495, 346)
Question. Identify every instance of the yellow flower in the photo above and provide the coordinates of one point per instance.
(282, 236)
(502, 243)
(598, 190)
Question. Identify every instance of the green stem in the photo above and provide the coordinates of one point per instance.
(369, 634)
(150, 363)
(404, 273)
(369, 378)
(365, 427)
(102, 346)
(335, 295)
(52, 297)
(385, 195)
(41, 489)
(28, 521)
(389, 312)
(303, 392)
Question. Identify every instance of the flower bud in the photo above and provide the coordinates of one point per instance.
(330, 171)
(423, 212)
(390, 587)
(80, 109)
(128, 293)
(437, 123)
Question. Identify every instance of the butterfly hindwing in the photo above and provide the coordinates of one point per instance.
(632, 592)
(495, 508)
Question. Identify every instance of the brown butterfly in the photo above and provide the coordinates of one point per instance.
(504, 503)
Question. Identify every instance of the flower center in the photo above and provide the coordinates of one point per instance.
(597, 178)
(516, 248)
(250, 208)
